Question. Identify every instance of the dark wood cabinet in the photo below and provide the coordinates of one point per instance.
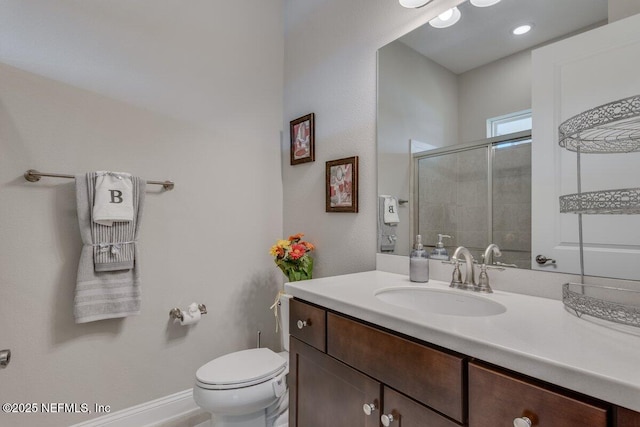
(627, 418)
(497, 398)
(339, 364)
(308, 324)
(430, 376)
(409, 413)
(327, 393)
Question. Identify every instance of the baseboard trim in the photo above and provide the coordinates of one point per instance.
(148, 413)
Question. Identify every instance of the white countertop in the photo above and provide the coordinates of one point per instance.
(535, 336)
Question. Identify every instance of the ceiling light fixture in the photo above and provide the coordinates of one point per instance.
(483, 3)
(522, 29)
(446, 18)
(413, 3)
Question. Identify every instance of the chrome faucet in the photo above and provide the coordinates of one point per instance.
(487, 260)
(491, 251)
(469, 274)
(469, 282)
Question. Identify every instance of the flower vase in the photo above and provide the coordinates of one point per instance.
(299, 271)
(297, 275)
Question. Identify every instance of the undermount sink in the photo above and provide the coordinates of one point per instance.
(440, 301)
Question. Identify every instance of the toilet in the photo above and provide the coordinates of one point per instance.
(247, 388)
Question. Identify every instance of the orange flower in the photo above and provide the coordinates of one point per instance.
(296, 237)
(308, 245)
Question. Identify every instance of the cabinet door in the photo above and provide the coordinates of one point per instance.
(405, 412)
(326, 393)
(496, 399)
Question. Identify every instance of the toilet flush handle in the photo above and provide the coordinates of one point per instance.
(280, 385)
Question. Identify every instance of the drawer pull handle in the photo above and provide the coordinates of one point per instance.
(387, 420)
(369, 408)
(303, 323)
(522, 422)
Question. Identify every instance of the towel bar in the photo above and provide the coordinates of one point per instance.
(176, 313)
(33, 175)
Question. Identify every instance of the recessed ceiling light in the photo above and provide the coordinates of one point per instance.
(484, 3)
(413, 3)
(446, 18)
(522, 29)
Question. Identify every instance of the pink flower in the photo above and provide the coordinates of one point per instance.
(297, 251)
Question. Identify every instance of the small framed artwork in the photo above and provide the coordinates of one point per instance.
(342, 185)
(302, 140)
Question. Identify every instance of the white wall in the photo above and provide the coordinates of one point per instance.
(163, 92)
(417, 100)
(330, 69)
(498, 88)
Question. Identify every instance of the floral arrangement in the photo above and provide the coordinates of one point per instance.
(292, 257)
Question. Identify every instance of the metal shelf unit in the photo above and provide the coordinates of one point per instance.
(609, 128)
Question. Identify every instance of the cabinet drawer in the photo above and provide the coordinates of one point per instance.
(308, 324)
(427, 375)
(627, 418)
(496, 398)
(409, 413)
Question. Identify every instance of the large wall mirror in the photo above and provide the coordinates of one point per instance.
(455, 144)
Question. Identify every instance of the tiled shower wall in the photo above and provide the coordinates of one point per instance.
(512, 204)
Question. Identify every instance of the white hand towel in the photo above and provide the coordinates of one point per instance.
(391, 210)
(113, 198)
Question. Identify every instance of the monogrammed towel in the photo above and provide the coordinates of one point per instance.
(113, 198)
(113, 246)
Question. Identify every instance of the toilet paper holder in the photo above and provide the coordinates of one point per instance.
(176, 313)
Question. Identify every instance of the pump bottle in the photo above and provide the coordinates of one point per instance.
(419, 263)
(440, 252)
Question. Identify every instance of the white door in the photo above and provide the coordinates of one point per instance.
(570, 77)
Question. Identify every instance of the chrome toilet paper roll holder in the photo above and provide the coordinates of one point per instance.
(176, 313)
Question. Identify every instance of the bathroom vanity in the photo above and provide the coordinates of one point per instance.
(356, 360)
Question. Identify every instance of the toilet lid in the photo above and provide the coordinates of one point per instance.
(242, 368)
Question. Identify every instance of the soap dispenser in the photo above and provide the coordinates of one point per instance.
(440, 252)
(419, 262)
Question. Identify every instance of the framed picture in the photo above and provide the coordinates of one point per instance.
(302, 140)
(342, 185)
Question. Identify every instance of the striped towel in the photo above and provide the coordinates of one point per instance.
(104, 294)
(114, 244)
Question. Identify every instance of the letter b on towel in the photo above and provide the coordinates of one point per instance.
(116, 196)
(113, 201)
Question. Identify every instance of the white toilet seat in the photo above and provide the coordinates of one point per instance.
(247, 388)
(241, 369)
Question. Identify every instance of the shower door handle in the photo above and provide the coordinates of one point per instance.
(542, 260)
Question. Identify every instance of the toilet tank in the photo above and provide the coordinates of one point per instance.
(284, 321)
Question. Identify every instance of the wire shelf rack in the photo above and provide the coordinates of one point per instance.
(608, 128)
(619, 201)
(617, 305)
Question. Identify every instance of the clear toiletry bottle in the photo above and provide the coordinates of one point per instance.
(419, 263)
(440, 252)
